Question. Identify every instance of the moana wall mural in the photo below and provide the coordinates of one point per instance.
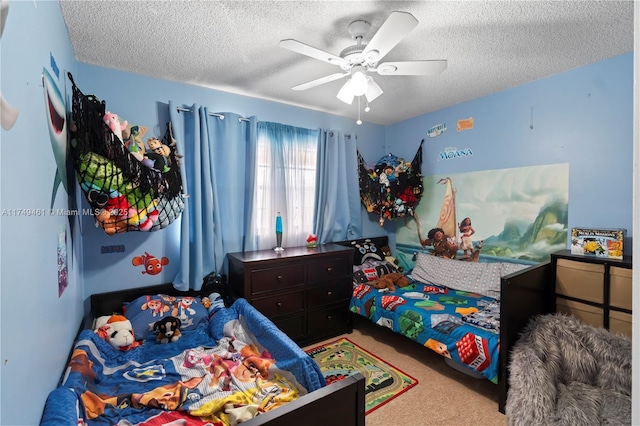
(517, 214)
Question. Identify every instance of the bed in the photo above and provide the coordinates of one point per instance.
(229, 365)
(470, 313)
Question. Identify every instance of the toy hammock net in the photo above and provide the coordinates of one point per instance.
(392, 187)
(129, 187)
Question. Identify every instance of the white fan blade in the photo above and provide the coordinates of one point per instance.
(312, 52)
(392, 31)
(319, 81)
(431, 67)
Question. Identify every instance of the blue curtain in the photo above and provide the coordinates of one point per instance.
(217, 172)
(337, 204)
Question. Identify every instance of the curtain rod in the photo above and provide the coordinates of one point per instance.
(221, 117)
(214, 114)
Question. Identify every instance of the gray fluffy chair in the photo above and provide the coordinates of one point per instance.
(564, 372)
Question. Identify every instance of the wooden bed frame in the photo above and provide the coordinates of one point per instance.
(340, 404)
(523, 295)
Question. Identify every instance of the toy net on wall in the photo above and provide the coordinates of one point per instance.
(129, 186)
(392, 187)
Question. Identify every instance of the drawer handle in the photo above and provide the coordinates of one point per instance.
(329, 293)
(329, 269)
(279, 305)
(329, 317)
(278, 277)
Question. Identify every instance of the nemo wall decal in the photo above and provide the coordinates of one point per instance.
(152, 265)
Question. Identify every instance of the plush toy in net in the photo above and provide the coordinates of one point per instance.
(129, 187)
(392, 187)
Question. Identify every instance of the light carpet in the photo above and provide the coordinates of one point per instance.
(444, 397)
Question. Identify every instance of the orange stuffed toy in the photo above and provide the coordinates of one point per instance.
(389, 281)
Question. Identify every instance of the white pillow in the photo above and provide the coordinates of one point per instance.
(473, 277)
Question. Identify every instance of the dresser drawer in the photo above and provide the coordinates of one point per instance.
(274, 279)
(580, 280)
(327, 294)
(304, 292)
(282, 304)
(586, 313)
(620, 323)
(328, 269)
(292, 327)
(621, 283)
(328, 322)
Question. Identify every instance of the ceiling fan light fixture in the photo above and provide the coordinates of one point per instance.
(359, 81)
(373, 90)
(345, 94)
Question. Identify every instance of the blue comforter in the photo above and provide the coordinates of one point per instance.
(462, 326)
(237, 364)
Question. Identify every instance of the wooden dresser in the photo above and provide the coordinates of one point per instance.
(304, 291)
(598, 291)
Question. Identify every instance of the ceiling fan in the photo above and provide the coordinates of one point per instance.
(360, 60)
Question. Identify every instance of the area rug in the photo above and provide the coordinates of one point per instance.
(342, 358)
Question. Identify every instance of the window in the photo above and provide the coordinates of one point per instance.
(285, 182)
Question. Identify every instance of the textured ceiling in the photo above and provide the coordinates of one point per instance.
(233, 45)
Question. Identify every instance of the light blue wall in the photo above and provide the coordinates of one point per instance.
(583, 117)
(143, 100)
(37, 327)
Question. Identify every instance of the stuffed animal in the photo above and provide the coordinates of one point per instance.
(389, 281)
(132, 137)
(117, 330)
(168, 329)
(364, 249)
(114, 124)
(162, 150)
(112, 217)
(386, 252)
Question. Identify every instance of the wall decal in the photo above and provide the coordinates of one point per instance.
(451, 153)
(519, 214)
(437, 130)
(465, 124)
(8, 114)
(63, 276)
(112, 249)
(57, 120)
(151, 264)
(54, 65)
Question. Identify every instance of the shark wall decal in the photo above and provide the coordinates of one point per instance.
(57, 121)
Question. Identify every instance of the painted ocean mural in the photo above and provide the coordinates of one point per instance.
(517, 214)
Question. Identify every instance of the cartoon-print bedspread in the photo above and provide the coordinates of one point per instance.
(456, 324)
(184, 381)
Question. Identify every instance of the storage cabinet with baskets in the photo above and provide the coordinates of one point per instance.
(597, 291)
